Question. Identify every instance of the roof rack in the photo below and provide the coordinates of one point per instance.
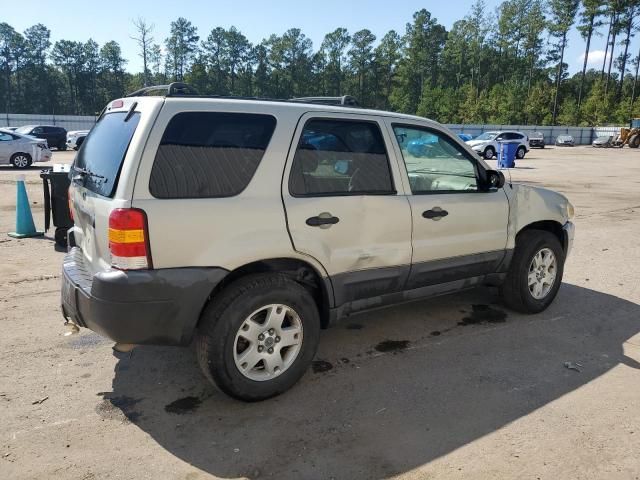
(344, 101)
(175, 89)
(179, 89)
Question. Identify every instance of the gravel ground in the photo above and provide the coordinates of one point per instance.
(453, 387)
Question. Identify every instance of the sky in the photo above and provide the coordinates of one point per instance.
(257, 19)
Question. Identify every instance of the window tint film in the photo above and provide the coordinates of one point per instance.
(207, 154)
(339, 157)
(435, 163)
(103, 151)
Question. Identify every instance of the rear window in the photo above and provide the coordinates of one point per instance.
(209, 155)
(103, 152)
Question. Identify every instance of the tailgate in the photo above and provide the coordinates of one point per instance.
(103, 173)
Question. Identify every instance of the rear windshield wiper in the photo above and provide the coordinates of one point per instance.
(85, 173)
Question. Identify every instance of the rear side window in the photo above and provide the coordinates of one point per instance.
(103, 151)
(340, 157)
(209, 155)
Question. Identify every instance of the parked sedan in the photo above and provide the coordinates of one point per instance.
(22, 150)
(565, 141)
(75, 138)
(603, 142)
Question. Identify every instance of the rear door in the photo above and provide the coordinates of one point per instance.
(344, 204)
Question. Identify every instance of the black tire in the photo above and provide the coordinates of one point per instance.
(515, 289)
(226, 314)
(18, 163)
(60, 237)
(634, 141)
(62, 147)
(489, 153)
(520, 153)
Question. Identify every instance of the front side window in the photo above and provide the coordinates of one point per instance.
(340, 157)
(5, 137)
(435, 163)
(209, 154)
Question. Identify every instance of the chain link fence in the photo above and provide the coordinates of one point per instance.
(581, 135)
(68, 122)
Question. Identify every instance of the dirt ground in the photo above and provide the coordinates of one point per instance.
(453, 387)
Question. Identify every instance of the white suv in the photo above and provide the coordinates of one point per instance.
(250, 225)
(488, 144)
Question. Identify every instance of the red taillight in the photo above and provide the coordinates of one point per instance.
(129, 239)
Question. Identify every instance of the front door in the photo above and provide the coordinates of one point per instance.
(459, 230)
(342, 205)
(6, 146)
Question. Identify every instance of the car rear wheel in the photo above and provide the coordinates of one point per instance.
(489, 153)
(535, 273)
(520, 153)
(21, 160)
(258, 337)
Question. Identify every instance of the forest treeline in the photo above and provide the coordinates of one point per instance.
(504, 66)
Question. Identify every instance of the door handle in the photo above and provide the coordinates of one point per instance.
(435, 214)
(324, 220)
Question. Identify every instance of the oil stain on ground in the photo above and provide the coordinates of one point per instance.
(320, 366)
(484, 314)
(392, 345)
(183, 405)
(355, 326)
(118, 408)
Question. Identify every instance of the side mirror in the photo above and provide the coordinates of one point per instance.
(495, 179)
(499, 139)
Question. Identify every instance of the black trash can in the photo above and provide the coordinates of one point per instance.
(55, 182)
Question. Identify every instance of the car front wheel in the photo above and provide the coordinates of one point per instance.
(258, 338)
(535, 273)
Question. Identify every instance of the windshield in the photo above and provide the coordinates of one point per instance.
(486, 136)
(100, 159)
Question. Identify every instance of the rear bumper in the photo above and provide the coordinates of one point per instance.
(155, 307)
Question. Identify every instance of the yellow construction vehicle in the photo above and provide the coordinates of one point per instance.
(629, 136)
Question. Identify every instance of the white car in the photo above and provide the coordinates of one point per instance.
(75, 138)
(22, 150)
(488, 144)
(289, 215)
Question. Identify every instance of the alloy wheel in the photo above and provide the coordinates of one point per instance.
(268, 342)
(542, 273)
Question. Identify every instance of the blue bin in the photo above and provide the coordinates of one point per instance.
(507, 154)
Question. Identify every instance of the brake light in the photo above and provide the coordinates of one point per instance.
(129, 239)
